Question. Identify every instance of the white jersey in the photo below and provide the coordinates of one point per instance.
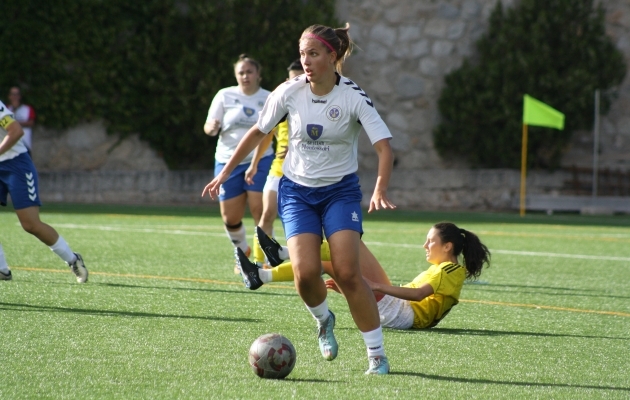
(237, 112)
(25, 113)
(324, 130)
(6, 118)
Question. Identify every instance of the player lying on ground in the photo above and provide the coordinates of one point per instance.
(423, 302)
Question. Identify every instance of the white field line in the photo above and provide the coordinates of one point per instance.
(403, 245)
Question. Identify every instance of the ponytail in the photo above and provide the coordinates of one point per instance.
(475, 253)
(337, 40)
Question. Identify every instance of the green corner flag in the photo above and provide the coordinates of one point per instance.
(537, 113)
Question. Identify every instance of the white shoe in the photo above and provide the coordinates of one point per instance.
(78, 268)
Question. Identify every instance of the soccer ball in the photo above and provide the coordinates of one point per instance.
(272, 356)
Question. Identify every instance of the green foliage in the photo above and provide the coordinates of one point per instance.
(554, 50)
(150, 67)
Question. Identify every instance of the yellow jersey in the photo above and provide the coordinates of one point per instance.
(446, 280)
(282, 143)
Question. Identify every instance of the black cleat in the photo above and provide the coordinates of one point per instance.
(249, 271)
(6, 277)
(270, 247)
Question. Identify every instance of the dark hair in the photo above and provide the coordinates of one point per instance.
(337, 38)
(245, 58)
(296, 66)
(475, 253)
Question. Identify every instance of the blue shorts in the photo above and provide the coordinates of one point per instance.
(236, 185)
(18, 177)
(332, 208)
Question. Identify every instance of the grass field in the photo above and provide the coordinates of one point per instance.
(163, 316)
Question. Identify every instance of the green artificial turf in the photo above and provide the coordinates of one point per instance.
(163, 315)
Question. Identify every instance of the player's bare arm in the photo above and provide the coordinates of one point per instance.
(405, 293)
(258, 153)
(14, 133)
(211, 128)
(251, 139)
(379, 199)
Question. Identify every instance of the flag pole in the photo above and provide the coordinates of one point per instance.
(523, 168)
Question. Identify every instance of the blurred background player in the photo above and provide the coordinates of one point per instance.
(320, 188)
(18, 178)
(24, 114)
(270, 191)
(423, 302)
(233, 111)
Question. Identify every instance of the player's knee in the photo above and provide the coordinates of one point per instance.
(348, 279)
(30, 226)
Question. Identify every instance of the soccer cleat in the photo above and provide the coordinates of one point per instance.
(249, 270)
(270, 247)
(326, 337)
(237, 268)
(78, 268)
(379, 365)
(6, 277)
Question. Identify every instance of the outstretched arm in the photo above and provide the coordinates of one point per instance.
(385, 164)
(251, 139)
(258, 153)
(14, 133)
(405, 293)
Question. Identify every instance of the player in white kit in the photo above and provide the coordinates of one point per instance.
(233, 111)
(18, 178)
(320, 189)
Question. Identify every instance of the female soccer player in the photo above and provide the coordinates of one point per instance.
(320, 189)
(233, 111)
(423, 302)
(19, 178)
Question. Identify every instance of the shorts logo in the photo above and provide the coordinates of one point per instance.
(333, 113)
(355, 217)
(314, 131)
(248, 111)
(221, 191)
(31, 186)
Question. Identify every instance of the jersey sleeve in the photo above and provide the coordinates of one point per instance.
(216, 107)
(371, 121)
(6, 116)
(273, 112)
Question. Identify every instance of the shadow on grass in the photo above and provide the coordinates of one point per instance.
(112, 313)
(311, 380)
(486, 332)
(263, 293)
(566, 291)
(510, 383)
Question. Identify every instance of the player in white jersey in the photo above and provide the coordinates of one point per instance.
(233, 111)
(18, 177)
(320, 190)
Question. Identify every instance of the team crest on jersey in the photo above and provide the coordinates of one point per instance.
(248, 111)
(314, 131)
(333, 113)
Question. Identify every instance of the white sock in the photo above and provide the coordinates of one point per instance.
(283, 253)
(62, 249)
(265, 275)
(374, 342)
(238, 238)
(320, 312)
(4, 267)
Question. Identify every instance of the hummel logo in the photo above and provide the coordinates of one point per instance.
(317, 101)
(31, 186)
(355, 217)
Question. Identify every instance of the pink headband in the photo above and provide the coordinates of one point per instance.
(312, 35)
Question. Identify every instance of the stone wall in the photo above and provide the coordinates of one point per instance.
(406, 48)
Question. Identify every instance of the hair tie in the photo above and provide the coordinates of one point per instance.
(321, 39)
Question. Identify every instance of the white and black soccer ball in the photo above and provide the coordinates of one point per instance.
(272, 356)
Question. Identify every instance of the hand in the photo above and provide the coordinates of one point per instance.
(331, 284)
(212, 127)
(379, 201)
(250, 173)
(214, 186)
